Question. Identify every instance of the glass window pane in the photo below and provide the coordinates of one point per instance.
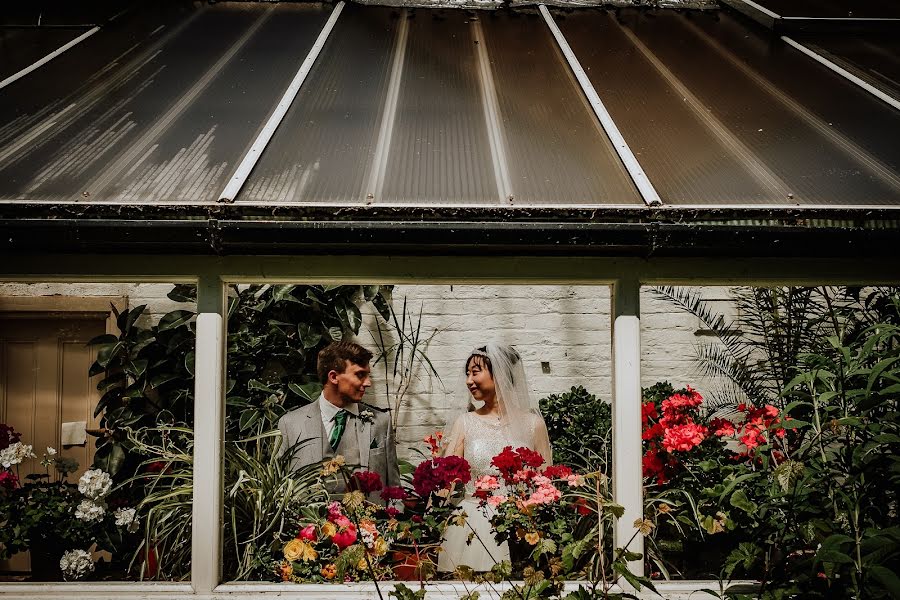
(420, 391)
(96, 405)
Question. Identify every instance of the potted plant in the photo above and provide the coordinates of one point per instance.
(429, 507)
(57, 521)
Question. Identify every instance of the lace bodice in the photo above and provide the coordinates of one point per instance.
(485, 438)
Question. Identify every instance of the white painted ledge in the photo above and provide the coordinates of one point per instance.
(672, 590)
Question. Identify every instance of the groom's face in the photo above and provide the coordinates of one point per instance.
(353, 382)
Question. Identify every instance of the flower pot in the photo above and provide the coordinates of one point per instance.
(408, 563)
(45, 556)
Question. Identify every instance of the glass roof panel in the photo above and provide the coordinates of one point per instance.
(322, 151)
(21, 47)
(168, 122)
(719, 114)
(557, 153)
(439, 150)
(873, 57)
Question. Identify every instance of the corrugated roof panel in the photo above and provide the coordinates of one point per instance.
(166, 123)
(800, 133)
(322, 151)
(833, 9)
(873, 57)
(20, 48)
(439, 150)
(687, 154)
(557, 153)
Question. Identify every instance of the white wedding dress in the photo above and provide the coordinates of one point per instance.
(484, 438)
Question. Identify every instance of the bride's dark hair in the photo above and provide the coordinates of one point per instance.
(480, 354)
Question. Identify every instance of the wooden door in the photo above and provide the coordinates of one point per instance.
(44, 383)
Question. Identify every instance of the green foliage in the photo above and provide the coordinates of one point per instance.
(813, 515)
(402, 592)
(274, 335)
(580, 428)
(261, 493)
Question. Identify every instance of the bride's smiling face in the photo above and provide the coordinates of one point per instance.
(479, 380)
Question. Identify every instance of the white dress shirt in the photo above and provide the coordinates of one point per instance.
(329, 411)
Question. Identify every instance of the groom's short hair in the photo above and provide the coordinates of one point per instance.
(335, 355)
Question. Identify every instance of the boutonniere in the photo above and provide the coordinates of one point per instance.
(367, 416)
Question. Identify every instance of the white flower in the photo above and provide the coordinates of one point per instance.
(15, 454)
(367, 416)
(51, 451)
(75, 564)
(126, 517)
(90, 511)
(95, 484)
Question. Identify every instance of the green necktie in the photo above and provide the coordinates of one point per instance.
(340, 423)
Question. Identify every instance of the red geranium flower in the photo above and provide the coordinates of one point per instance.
(366, 481)
(557, 472)
(393, 492)
(440, 473)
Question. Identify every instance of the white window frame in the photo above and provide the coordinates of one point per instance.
(625, 275)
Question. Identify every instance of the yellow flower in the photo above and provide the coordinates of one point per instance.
(362, 565)
(381, 547)
(329, 571)
(333, 466)
(328, 529)
(532, 538)
(645, 526)
(664, 508)
(293, 549)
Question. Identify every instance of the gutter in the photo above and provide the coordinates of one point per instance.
(227, 236)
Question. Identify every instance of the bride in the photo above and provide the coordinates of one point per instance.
(497, 411)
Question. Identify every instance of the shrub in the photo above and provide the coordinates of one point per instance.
(580, 428)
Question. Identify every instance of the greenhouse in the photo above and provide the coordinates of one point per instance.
(672, 229)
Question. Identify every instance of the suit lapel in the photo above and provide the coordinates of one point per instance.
(365, 441)
(315, 431)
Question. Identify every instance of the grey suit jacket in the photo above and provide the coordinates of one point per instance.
(377, 452)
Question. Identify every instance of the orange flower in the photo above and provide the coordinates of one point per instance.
(285, 569)
(329, 571)
(532, 538)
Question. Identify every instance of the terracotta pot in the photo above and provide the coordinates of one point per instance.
(407, 562)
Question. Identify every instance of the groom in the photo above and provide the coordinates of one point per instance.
(339, 423)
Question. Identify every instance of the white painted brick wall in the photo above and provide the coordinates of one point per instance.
(567, 327)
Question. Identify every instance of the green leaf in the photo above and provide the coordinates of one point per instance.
(382, 304)
(106, 338)
(309, 337)
(282, 291)
(174, 319)
(254, 384)
(370, 291)
(110, 457)
(335, 333)
(887, 578)
(740, 500)
(189, 362)
(307, 391)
